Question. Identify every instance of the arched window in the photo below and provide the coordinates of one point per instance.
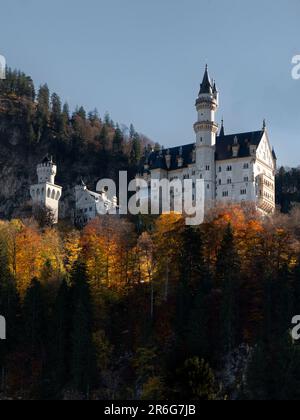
(38, 192)
(53, 195)
(57, 195)
(49, 193)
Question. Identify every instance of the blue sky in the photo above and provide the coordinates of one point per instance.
(143, 61)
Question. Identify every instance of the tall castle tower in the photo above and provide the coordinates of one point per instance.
(46, 193)
(206, 131)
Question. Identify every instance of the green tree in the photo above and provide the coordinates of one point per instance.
(228, 279)
(34, 318)
(56, 120)
(61, 328)
(196, 381)
(83, 362)
(43, 111)
(118, 141)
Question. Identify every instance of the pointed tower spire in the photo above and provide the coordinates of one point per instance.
(206, 86)
(215, 90)
(222, 131)
(264, 125)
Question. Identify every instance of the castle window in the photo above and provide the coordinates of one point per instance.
(225, 194)
(207, 167)
(53, 195)
(49, 193)
(208, 186)
(229, 168)
(220, 168)
(229, 181)
(243, 192)
(220, 181)
(246, 179)
(246, 166)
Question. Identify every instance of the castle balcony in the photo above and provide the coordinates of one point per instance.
(206, 126)
(266, 193)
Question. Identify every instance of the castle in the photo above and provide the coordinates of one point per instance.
(90, 204)
(46, 194)
(235, 168)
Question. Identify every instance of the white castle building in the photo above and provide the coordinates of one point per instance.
(90, 204)
(46, 193)
(235, 168)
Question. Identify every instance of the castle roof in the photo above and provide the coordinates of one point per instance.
(224, 145)
(206, 86)
(242, 140)
(47, 159)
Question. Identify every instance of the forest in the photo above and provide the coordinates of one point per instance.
(151, 310)
(137, 308)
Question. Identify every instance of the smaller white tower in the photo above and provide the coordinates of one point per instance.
(46, 193)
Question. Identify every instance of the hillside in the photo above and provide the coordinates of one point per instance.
(83, 145)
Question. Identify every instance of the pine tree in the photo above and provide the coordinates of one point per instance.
(136, 149)
(61, 328)
(228, 279)
(196, 381)
(34, 319)
(56, 120)
(118, 141)
(191, 312)
(83, 365)
(43, 111)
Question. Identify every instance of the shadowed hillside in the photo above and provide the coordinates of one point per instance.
(83, 145)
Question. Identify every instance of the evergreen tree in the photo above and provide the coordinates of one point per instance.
(43, 111)
(228, 279)
(83, 365)
(195, 381)
(61, 328)
(136, 149)
(56, 115)
(34, 319)
(81, 113)
(118, 141)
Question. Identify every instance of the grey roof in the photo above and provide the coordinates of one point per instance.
(47, 159)
(244, 140)
(222, 131)
(157, 159)
(206, 86)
